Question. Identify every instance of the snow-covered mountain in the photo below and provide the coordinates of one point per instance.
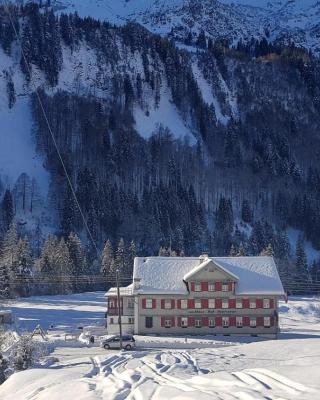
(285, 20)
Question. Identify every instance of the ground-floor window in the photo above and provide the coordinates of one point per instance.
(130, 320)
(149, 322)
(239, 322)
(184, 322)
(266, 322)
(253, 322)
(225, 322)
(111, 321)
(168, 323)
(198, 323)
(212, 323)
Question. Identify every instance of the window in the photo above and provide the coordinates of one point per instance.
(197, 287)
(111, 321)
(266, 303)
(112, 303)
(130, 320)
(149, 322)
(130, 303)
(148, 303)
(168, 323)
(253, 322)
(167, 304)
(184, 322)
(211, 303)
(197, 303)
(212, 323)
(184, 303)
(239, 322)
(197, 323)
(225, 303)
(225, 322)
(225, 287)
(239, 303)
(266, 322)
(253, 304)
(211, 287)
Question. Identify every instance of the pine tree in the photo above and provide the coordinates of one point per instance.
(108, 261)
(241, 251)
(246, 212)
(233, 251)
(7, 210)
(132, 252)
(120, 261)
(301, 261)
(64, 267)
(268, 251)
(78, 262)
(9, 259)
(25, 265)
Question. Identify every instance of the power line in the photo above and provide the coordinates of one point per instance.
(7, 7)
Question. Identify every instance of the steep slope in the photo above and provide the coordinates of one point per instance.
(276, 20)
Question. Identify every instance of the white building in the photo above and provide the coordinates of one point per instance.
(188, 295)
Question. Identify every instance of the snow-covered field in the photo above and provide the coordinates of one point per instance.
(161, 368)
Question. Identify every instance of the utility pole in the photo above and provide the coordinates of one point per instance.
(119, 308)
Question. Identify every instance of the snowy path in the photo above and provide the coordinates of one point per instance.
(237, 369)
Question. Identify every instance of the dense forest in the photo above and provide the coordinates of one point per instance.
(249, 174)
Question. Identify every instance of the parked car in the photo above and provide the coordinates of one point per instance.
(113, 342)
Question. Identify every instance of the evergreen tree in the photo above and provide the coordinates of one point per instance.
(301, 261)
(241, 251)
(268, 251)
(120, 262)
(78, 261)
(246, 212)
(25, 265)
(233, 251)
(132, 252)
(108, 261)
(10, 259)
(7, 210)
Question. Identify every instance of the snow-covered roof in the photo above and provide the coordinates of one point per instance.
(255, 275)
(124, 291)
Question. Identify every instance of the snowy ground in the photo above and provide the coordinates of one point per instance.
(161, 368)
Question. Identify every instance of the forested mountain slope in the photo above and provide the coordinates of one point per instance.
(206, 146)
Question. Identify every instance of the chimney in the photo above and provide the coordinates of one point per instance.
(136, 283)
(203, 258)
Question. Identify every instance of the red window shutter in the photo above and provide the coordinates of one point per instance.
(204, 303)
(232, 303)
(154, 303)
(204, 286)
(259, 321)
(232, 321)
(172, 303)
(259, 303)
(230, 286)
(246, 321)
(205, 321)
(218, 303)
(143, 303)
(192, 286)
(191, 321)
(178, 321)
(162, 321)
(245, 303)
(191, 303)
(271, 303)
(218, 286)
(162, 303)
(218, 321)
(173, 323)
(271, 321)
(179, 304)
